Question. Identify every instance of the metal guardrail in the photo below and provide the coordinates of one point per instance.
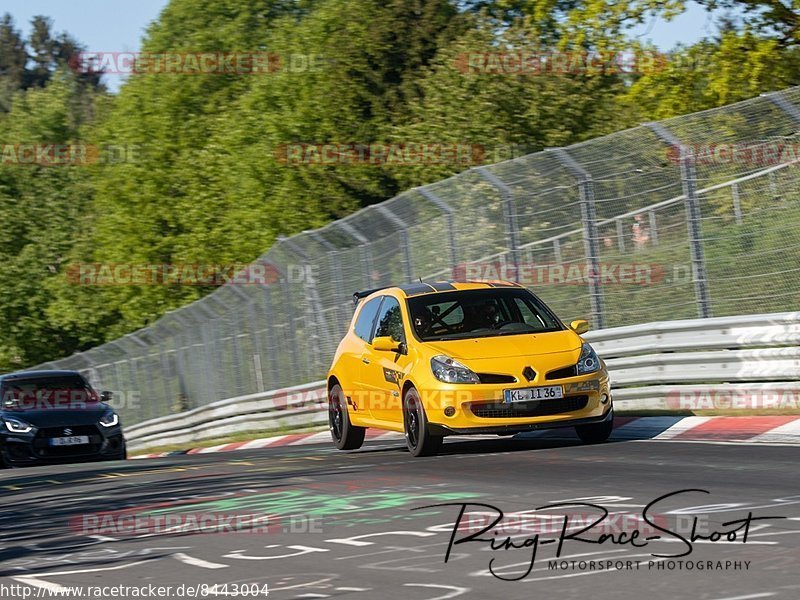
(649, 365)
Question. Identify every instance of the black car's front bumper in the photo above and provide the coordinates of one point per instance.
(25, 449)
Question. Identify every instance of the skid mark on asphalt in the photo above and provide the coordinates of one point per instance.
(301, 550)
(358, 540)
(453, 591)
(198, 562)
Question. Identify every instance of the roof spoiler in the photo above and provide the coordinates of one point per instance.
(359, 295)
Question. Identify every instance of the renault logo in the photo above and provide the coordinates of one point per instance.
(68, 431)
(529, 373)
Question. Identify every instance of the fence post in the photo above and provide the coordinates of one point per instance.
(448, 215)
(163, 358)
(590, 235)
(653, 227)
(188, 364)
(693, 217)
(363, 243)
(737, 205)
(338, 281)
(273, 357)
(507, 197)
(209, 346)
(150, 409)
(289, 308)
(313, 303)
(258, 376)
(779, 100)
(233, 382)
(403, 230)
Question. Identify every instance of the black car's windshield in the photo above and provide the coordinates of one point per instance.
(479, 313)
(35, 392)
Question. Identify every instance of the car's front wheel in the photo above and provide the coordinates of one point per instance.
(596, 432)
(419, 439)
(346, 436)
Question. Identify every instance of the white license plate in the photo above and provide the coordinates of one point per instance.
(74, 440)
(550, 392)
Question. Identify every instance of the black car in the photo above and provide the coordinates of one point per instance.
(56, 417)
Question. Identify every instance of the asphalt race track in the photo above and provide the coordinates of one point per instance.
(343, 526)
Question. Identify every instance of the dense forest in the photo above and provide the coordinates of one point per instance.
(188, 169)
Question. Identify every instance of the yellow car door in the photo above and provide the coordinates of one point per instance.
(356, 358)
(387, 363)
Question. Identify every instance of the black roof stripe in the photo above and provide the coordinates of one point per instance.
(420, 287)
(442, 286)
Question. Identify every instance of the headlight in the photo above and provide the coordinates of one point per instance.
(451, 371)
(109, 419)
(17, 425)
(588, 362)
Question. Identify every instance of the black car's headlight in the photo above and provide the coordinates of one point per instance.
(109, 419)
(15, 425)
(449, 370)
(588, 362)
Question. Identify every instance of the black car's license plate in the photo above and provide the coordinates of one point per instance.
(74, 440)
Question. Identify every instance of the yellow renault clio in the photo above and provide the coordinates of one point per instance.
(436, 359)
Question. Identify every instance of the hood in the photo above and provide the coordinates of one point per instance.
(49, 417)
(509, 346)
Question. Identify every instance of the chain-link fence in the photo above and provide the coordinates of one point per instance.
(693, 216)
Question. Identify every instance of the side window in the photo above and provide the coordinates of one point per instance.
(366, 318)
(390, 320)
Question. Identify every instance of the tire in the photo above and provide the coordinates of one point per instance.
(419, 439)
(596, 432)
(346, 436)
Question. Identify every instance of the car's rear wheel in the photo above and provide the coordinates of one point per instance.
(596, 432)
(419, 439)
(346, 436)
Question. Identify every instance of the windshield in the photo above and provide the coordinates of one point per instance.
(47, 392)
(480, 313)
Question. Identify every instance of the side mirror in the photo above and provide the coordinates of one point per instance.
(386, 344)
(106, 396)
(579, 326)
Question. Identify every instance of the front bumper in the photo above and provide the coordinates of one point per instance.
(479, 408)
(20, 450)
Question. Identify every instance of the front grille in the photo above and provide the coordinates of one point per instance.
(43, 448)
(496, 378)
(53, 432)
(570, 371)
(536, 408)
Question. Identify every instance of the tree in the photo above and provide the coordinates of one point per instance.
(12, 61)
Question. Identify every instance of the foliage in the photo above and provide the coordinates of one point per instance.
(205, 181)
